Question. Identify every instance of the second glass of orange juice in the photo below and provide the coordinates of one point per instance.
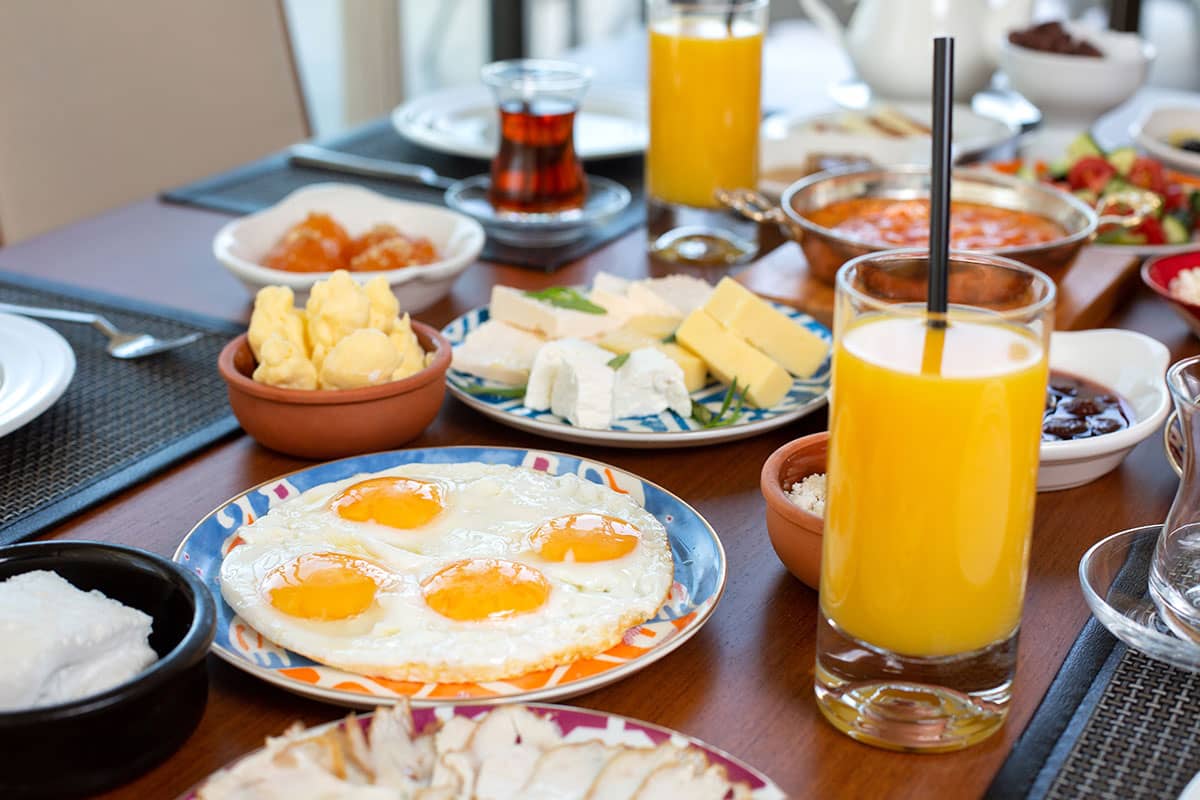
(705, 107)
(935, 428)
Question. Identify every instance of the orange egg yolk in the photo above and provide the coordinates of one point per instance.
(395, 502)
(585, 537)
(485, 588)
(323, 586)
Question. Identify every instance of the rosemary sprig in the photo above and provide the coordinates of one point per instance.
(616, 362)
(567, 297)
(480, 389)
(732, 407)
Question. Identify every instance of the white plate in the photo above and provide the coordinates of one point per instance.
(36, 364)
(667, 429)
(1153, 132)
(241, 244)
(611, 122)
(1129, 363)
(786, 140)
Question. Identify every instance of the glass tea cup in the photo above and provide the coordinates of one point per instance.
(536, 170)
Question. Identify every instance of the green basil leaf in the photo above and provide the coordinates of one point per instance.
(618, 361)
(567, 297)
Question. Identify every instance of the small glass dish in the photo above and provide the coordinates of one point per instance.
(605, 199)
(1114, 574)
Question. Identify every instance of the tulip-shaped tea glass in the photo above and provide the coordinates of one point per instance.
(535, 170)
(1175, 569)
(935, 427)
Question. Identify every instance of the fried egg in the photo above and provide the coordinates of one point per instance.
(450, 572)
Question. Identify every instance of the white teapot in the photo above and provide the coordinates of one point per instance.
(888, 41)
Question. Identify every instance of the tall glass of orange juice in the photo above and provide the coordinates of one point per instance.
(935, 427)
(705, 107)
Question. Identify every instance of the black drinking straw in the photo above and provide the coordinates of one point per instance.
(939, 190)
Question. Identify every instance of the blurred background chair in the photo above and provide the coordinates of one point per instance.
(102, 103)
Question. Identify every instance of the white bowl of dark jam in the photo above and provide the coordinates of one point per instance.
(1106, 395)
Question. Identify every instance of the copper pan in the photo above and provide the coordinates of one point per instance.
(827, 249)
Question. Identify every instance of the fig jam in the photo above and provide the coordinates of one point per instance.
(1078, 409)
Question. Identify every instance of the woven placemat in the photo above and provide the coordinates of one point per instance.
(1113, 725)
(266, 182)
(118, 421)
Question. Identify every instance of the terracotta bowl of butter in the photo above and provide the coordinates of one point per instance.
(322, 423)
(795, 533)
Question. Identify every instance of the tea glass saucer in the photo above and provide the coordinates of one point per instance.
(605, 199)
(1114, 574)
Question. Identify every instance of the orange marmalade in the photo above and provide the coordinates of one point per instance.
(905, 223)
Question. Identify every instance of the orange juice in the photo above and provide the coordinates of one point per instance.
(704, 109)
(933, 459)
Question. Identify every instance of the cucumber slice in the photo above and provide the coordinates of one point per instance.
(1122, 159)
(1057, 170)
(1175, 231)
(1117, 185)
(1083, 145)
(1026, 173)
(1120, 236)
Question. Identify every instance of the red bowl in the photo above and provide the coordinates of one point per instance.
(1158, 272)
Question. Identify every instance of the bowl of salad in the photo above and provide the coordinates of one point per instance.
(1160, 207)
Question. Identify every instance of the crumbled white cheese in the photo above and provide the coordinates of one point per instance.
(809, 494)
(61, 644)
(1185, 286)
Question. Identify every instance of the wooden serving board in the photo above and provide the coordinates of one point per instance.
(1090, 291)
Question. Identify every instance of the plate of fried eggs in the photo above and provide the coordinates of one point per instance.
(443, 574)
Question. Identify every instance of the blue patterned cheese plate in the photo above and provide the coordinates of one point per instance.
(667, 429)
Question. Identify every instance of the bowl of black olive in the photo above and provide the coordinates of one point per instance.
(1106, 394)
(1172, 135)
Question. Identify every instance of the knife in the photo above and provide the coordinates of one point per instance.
(311, 155)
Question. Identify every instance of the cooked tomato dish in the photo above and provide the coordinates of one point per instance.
(905, 223)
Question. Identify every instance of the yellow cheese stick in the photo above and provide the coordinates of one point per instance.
(795, 347)
(729, 356)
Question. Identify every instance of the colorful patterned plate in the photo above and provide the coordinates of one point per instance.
(699, 581)
(667, 429)
(581, 725)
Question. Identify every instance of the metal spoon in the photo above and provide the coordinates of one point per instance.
(121, 344)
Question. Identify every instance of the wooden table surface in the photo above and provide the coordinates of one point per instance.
(744, 683)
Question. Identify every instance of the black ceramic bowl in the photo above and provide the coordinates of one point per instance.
(85, 746)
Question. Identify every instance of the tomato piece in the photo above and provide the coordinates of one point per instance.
(1152, 229)
(1147, 174)
(1175, 197)
(1092, 173)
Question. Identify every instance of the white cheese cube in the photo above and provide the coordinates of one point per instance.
(583, 393)
(517, 308)
(549, 361)
(613, 284)
(649, 383)
(496, 351)
(682, 292)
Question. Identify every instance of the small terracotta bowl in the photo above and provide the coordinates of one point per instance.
(795, 534)
(325, 424)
